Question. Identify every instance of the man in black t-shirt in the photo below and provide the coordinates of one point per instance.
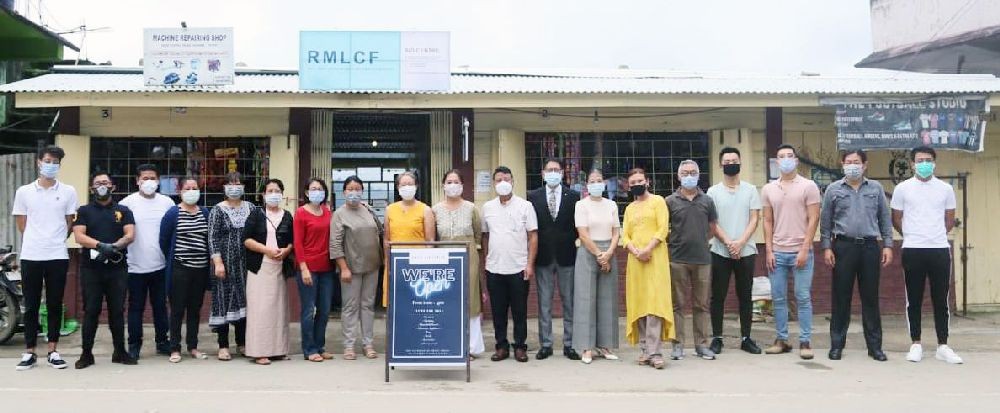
(103, 228)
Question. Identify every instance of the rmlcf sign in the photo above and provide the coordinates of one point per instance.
(403, 61)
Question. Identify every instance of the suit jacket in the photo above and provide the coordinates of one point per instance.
(556, 237)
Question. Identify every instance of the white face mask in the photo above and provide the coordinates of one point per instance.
(233, 191)
(149, 187)
(504, 188)
(408, 192)
(272, 199)
(453, 190)
(191, 196)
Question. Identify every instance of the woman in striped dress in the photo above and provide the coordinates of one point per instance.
(225, 235)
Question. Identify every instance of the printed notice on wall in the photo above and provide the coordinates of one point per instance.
(484, 181)
(188, 57)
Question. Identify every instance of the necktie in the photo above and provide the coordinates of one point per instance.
(552, 204)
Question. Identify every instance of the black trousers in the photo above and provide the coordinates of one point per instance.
(241, 333)
(722, 269)
(920, 266)
(104, 283)
(509, 292)
(859, 262)
(53, 275)
(187, 293)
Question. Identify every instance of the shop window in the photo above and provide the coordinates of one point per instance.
(615, 153)
(208, 159)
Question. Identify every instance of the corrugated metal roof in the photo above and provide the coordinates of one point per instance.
(102, 79)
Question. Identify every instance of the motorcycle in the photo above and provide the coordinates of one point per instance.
(11, 296)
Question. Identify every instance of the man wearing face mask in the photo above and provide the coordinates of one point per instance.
(146, 263)
(43, 211)
(555, 208)
(692, 221)
(791, 215)
(923, 210)
(855, 215)
(510, 242)
(733, 250)
(103, 228)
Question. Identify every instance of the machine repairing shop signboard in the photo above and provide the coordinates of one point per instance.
(390, 61)
(188, 57)
(427, 320)
(945, 122)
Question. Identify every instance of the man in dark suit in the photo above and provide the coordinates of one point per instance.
(555, 206)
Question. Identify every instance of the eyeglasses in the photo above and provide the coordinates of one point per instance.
(102, 183)
(688, 173)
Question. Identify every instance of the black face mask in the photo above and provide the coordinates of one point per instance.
(731, 169)
(637, 190)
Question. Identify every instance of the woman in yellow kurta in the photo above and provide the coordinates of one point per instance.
(408, 220)
(649, 307)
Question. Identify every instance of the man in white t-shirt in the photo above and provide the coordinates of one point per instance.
(146, 263)
(923, 210)
(44, 211)
(510, 242)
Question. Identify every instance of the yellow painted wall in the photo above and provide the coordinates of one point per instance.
(194, 122)
(284, 165)
(75, 168)
(510, 153)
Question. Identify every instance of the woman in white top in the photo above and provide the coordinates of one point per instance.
(595, 298)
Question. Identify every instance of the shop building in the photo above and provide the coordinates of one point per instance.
(265, 127)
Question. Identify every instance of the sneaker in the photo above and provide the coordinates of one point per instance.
(704, 352)
(716, 345)
(56, 361)
(916, 353)
(946, 354)
(678, 352)
(749, 346)
(28, 361)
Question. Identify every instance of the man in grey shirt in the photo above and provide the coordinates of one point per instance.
(692, 222)
(855, 215)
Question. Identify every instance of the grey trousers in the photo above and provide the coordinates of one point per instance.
(650, 331)
(696, 278)
(545, 277)
(595, 301)
(358, 308)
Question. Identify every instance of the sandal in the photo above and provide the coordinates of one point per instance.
(349, 354)
(370, 352)
(588, 357)
(196, 354)
(606, 354)
(315, 358)
(175, 357)
(262, 361)
(224, 354)
(658, 362)
(326, 355)
(643, 359)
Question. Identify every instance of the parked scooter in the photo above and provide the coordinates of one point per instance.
(11, 296)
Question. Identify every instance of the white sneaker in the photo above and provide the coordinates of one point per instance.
(946, 354)
(916, 353)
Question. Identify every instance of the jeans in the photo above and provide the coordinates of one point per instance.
(154, 286)
(785, 264)
(187, 293)
(509, 292)
(315, 299)
(98, 283)
(54, 274)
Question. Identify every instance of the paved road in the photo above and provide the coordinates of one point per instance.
(737, 382)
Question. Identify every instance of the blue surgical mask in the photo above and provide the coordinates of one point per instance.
(49, 170)
(596, 189)
(689, 182)
(316, 196)
(925, 169)
(353, 197)
(191, 196)
(787, 165)
(553, 179)
(853, 171)
(234, 191)
(273, 199)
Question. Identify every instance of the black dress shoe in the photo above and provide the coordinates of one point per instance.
(749, 346)
(836, 353)
(571, 354)
(543, 353)
(878, 355)
(716, 345)
(500, 355)
(86, 360)
(521, 354)
(121, 357)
